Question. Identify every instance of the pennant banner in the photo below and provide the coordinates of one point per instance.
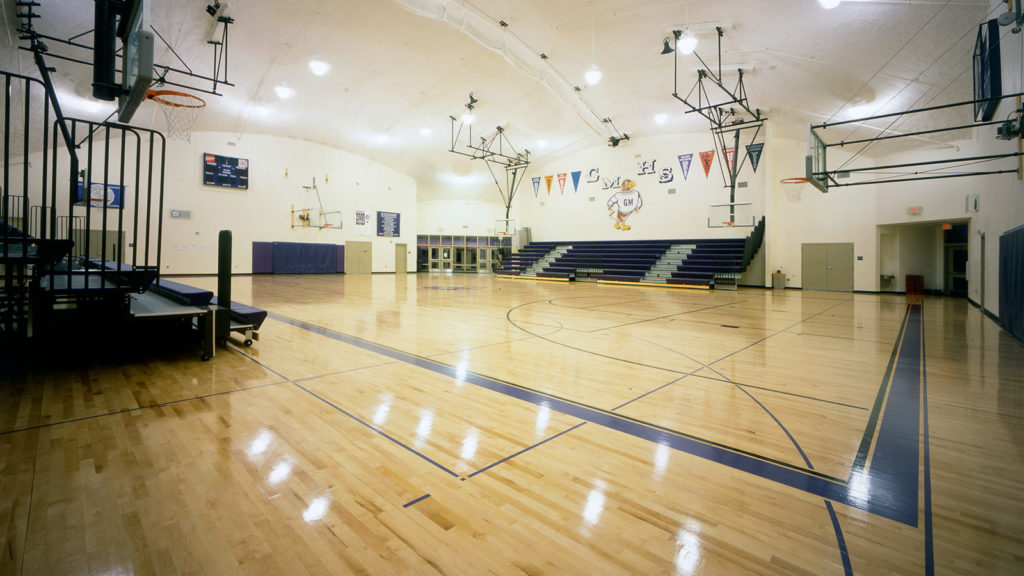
(561, 182)
(576, 180)
(548, 180)
(730, 158)
(684, 162)
(706, 158)
(536, 185)
(754, 153)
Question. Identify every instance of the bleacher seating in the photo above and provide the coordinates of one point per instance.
(696, 263)
(610, 261)
(518, 262)
(708, 259)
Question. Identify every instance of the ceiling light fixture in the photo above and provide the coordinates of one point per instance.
(425, 132)
(467, 118)
(319, 66)
(660, 118)
(687, 42)
(593, 76)
(284, 91)
(829, 4)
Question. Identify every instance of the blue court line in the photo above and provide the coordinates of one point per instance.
(929, 550)
(894, 466)
(563, 405)
(882, 502)
(844, 553)
(374, 428)
(840, 539)
(420, 499)
(876, 410)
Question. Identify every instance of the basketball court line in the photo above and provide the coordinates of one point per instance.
(415, 501)
(840, 539)
(869, 431)
(703, 366)
(337, 372)
(147, 406)
(895, 462)
(527, 449)
(377, 430)
(653, 319)
(561, 404)
(896, 505)
(929, 548)
(725, 379)
(776, 333)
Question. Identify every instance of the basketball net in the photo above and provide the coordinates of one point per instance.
(181, 110)
(794, 187)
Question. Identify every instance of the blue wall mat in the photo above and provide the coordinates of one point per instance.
(302, 258)
(1011, 281)
(262, 257)
(341, 258)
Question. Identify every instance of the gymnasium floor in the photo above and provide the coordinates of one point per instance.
(429, 424)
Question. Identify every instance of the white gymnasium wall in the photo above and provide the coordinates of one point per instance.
(462, 217)
(843, 215)
(1000, 197)
(278, 170)
(582, 213)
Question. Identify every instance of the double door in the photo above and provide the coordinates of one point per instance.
(827, 267)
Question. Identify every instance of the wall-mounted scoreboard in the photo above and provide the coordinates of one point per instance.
(225, 171)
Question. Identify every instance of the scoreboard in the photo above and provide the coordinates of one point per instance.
(225, 171)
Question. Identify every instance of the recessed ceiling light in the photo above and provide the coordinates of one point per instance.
(593, 76)
(660, 118)
(829, 4)
(319, 66)
(284, 91)
(381, 139)
(467, 118)
(426, 132)
(542, 143)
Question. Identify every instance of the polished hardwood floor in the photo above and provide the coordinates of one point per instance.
(436, 424)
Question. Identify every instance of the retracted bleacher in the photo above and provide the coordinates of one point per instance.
(697, 263)
(80, 232)
(608, 261)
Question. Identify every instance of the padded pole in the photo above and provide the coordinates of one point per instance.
(103, 87)
(223, 285)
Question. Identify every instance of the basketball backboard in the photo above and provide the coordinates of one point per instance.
(504, 227)
(816, 171)
(731, 215)
(137, 60)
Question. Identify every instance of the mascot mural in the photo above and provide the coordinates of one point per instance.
(624, 203)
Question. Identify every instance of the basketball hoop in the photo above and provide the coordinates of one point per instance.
(180, 109)
(728, 224)
(794, 186)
